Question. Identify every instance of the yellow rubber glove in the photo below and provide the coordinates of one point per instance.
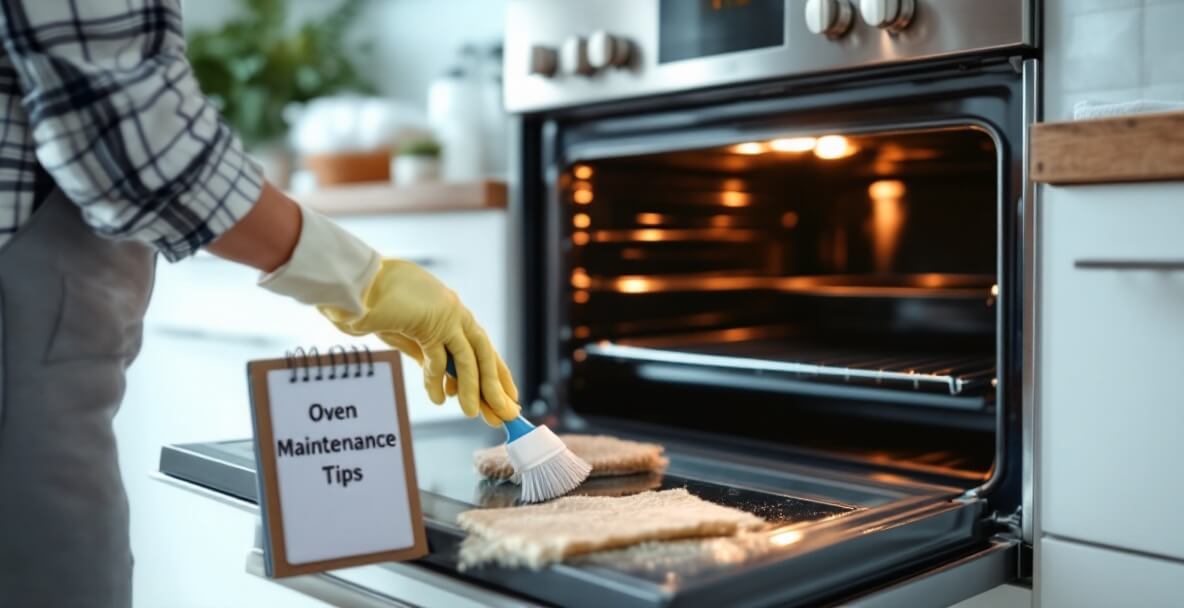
(406, 307)
(410, 309)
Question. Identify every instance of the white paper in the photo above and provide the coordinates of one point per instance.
(324, 519)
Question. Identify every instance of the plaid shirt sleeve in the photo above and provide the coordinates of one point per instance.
(120, 122)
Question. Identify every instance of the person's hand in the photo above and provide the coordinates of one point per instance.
(406, 307)
(414, 312)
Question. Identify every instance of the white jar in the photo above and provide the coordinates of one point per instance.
(454, 112)
(408, 169)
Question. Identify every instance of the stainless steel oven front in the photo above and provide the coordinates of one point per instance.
(787, 236)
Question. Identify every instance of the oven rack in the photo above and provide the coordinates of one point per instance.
(957, 375)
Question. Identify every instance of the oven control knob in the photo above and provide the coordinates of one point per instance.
(830, 18)
(891, 15)
(606, 50)
(543, 61)
(573, 56)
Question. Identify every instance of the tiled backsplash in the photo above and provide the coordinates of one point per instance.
(1111, 51)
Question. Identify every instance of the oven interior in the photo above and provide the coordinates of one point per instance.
(831, 295)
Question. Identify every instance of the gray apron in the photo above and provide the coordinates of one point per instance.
(71, 311)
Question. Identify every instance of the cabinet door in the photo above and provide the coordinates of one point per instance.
(1111, 353)
(1081, 576)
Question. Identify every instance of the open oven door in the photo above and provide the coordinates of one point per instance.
(837, 537)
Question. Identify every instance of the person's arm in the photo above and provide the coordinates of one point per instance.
(265, 237)
(121, 125)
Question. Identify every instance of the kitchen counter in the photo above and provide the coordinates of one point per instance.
(383, 198)
(1135, 148)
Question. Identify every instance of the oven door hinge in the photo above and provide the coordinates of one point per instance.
(1009, 525)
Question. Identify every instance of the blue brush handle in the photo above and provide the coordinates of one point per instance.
(515, 428)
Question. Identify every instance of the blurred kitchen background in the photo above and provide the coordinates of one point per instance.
(386, 115)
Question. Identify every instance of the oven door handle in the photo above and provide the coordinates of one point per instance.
(1112, 264)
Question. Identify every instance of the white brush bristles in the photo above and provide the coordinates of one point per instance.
(546, 468)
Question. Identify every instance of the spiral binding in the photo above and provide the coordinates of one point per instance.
(302, 363)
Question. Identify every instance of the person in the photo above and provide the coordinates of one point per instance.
(109, 153)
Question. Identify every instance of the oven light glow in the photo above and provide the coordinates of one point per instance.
(793, 144)
(582, 197)
(633, 285)
(732, 198)
(751, 147)
(995, 290)
(886, 188)
(583, 331)
(580, 238)
(580, 297)
(790, 219)
(582, 172)
(579, 355)
(733, 183)
(783, 539)
(580, 278)
(650, 219)
(581, 220)
(834, 147)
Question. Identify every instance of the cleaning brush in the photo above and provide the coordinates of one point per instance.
(544, 465)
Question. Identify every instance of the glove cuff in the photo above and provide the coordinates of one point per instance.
(329, 267)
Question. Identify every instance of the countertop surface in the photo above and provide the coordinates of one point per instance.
(381, 198)
(1135, 148)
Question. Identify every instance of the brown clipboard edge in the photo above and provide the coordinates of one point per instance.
(270, 508)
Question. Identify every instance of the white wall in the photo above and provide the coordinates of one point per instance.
(1111, 51)
(414, 40)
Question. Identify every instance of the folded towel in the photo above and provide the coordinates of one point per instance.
(538, 535)
(1086, 110)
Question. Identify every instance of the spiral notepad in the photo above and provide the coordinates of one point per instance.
(336, 476)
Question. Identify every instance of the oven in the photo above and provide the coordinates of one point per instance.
(788, 236)
(788, 239)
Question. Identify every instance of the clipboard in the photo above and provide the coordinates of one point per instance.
(337, 485)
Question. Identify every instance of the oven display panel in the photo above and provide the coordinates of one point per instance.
(699, 28)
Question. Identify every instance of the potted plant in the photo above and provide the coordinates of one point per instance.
(254, 65)
(416, 162)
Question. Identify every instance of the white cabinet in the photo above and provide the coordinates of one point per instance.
(1081, 576)
(1111, 354)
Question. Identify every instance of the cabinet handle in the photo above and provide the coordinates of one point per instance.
(1161, 265)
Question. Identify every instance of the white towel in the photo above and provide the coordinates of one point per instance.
(1086, 110)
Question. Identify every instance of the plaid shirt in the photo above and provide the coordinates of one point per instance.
(97, 97)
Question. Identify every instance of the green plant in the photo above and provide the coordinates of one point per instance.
(254, 65)
(420, 147)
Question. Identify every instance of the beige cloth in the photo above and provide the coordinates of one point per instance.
(537, 535)
(607, 455)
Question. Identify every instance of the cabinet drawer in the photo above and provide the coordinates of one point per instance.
(1111, 349)
(1071, 574)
